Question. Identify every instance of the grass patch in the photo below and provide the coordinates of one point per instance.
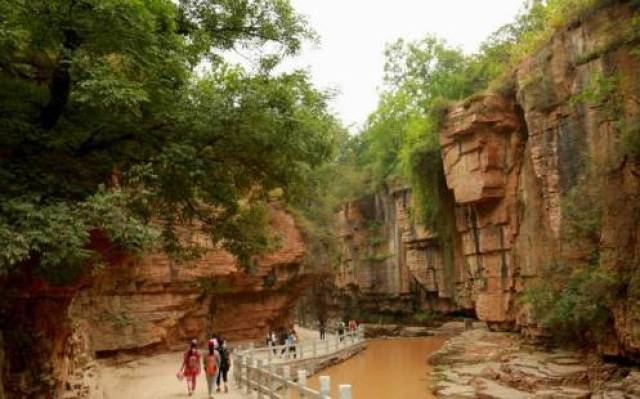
(631, 139)
(540, 90)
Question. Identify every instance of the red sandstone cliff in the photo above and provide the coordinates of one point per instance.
(388, 258)
(510, 160)
(146, 305)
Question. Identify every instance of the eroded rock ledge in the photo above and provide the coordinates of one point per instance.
(493, 365)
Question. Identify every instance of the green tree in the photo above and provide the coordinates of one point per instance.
(419, 77)
(106, 126)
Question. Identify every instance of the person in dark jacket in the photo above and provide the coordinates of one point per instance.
(225, 364)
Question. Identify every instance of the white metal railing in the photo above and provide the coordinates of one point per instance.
(268, 372)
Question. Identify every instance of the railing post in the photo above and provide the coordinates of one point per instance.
(314, 350)
(286, 374)
(300, 350)
(344, 391)
(234, 374)
(244, 372)
(302, 382)
(259, 378)
(252, 373)
(237, 359)
(272, 385)
(325, 386)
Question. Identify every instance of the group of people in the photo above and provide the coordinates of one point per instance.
(351, 327)
(287, 338)
(216, 363)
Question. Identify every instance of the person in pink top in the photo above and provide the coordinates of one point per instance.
(190, 368)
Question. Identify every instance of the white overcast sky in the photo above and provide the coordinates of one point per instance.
(353, 35)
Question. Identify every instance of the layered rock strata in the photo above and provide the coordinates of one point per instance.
(145, 305)
(513, 159)
(482, 364)
(155, 303)
(389, 260)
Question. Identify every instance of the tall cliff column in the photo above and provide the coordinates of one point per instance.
(481, 143)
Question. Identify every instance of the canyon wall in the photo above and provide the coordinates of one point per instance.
(144, 305)
(514, 159)
(390, 264)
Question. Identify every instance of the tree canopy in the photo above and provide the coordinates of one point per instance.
(107, 125)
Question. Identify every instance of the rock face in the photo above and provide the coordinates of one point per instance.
(390, 264)
(512, 160)
(1, 367)
(156, 304)
(145, 305)
(482, 151)
(482, 364)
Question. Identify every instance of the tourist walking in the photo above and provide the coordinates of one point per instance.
(225, 365)
(190, 366)
(274, 341)
(292, 339)
(269, 341)
(211, 363)
(340, 329)
(322, 328)
(287, 344)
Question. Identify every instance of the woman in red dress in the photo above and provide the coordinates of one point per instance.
(191, 366)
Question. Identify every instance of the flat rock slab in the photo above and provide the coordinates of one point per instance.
(483, 364)
(489, 389)
(454, 391)
(563, 393)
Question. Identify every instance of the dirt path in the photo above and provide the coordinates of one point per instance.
(154, 377)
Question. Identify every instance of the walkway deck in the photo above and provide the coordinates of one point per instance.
(154, 377)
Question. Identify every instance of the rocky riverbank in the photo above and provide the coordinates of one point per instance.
(483, 364)
(404, 331)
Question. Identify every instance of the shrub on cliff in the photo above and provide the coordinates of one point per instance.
(420, 78)
(573, 298)
(631, 137)
(573, 303)
(112, 93)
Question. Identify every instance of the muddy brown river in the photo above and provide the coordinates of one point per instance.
(387, 369)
